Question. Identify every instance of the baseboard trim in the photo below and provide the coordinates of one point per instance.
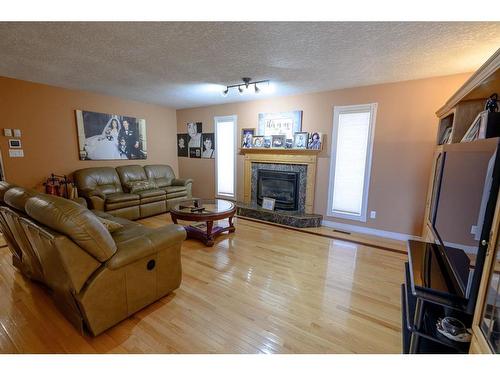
(369, 231)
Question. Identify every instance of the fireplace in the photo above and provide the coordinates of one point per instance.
(283, 186)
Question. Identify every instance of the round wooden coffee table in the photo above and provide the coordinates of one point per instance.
(204, 213)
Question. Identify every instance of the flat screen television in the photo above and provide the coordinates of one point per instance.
(466, 184)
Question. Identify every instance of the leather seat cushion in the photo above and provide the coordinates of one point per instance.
(121, 197)
(175, 191)
(152, 193)
(121, 200)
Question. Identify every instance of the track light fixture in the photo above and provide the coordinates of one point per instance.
(242, 87)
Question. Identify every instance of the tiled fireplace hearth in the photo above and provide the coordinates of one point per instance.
(285, 175)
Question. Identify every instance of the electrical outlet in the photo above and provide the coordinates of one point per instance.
(473, 229)
(373, 214)
(7, 132)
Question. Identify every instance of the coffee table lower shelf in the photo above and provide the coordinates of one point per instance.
(206, 232)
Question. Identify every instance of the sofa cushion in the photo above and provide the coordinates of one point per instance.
(110, 225)
(17, 197)
(131, 173)
(138, 186)
(176, 191)
(4, 186)
(121, 197)
(152, 193)
(104, 179)
(160, 173)
(75, 221)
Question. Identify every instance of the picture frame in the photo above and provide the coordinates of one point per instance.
(108, 136)
(268, 140)
(315, 141)
(278, 141)
(268, 203)
(258, 141)
(247, 135)
(182, 145)
(289, 143)
(300, 140)
(280, 123)
(208, 146)
(194, 130)
(15, 143)
(195, 152)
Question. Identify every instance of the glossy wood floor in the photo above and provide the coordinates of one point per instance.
(263, 289)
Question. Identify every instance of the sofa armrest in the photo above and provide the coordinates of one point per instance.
(95, 198)
(146, 245)
(81, 201)
(181, 182)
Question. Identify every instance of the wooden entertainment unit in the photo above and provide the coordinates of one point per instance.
(424, 301)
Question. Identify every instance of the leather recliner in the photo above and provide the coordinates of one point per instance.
(109, 190)
(97, 278)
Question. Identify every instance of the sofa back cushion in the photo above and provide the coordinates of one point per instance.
(160, 173)
(4, 186)
(17, 197)
(75, 221)
(104, 179)
(131, 173)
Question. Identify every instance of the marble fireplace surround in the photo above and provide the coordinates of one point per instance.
(302, 161)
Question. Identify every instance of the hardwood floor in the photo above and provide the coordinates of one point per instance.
(263, 289)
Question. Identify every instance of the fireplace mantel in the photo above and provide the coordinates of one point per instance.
(279, 151)
(281, 156)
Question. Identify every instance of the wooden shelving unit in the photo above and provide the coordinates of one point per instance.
(458, 113)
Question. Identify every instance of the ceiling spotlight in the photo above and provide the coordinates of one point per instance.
(242, 87)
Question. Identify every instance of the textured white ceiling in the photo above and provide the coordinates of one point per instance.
(181, 64)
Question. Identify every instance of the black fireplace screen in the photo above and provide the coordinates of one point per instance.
(282, 186)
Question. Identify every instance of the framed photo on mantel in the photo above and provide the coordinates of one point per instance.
(280, 123)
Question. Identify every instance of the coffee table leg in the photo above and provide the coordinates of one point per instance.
(210, 238)
(231, 226)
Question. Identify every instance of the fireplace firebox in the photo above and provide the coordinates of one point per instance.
(282, 186)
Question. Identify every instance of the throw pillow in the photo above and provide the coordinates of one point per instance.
(110, 225)
(137, 186)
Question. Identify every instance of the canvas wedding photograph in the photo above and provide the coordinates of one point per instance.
(103, 136)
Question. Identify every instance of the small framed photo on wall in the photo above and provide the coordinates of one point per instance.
(182, 145)
(268, 203)
(247, 137)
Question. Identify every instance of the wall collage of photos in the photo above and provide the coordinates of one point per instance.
(195, 143)
(276, 130)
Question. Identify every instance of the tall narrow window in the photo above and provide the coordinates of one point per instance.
(225, 155)
(352, 143)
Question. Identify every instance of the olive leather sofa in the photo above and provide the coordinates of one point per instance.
(97, 277)
(132, 191)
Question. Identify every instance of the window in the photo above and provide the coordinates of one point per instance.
(352, 143)
(225, 157)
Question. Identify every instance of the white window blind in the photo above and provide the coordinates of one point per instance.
(225, 138)
(351, 161)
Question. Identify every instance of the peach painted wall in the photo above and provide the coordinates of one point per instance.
(46, 117)
(404, 142)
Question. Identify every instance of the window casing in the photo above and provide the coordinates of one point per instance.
(225, 156)
(350, 164)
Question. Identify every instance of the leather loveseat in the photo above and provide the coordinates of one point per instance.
(97, 276)
(132, 191)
